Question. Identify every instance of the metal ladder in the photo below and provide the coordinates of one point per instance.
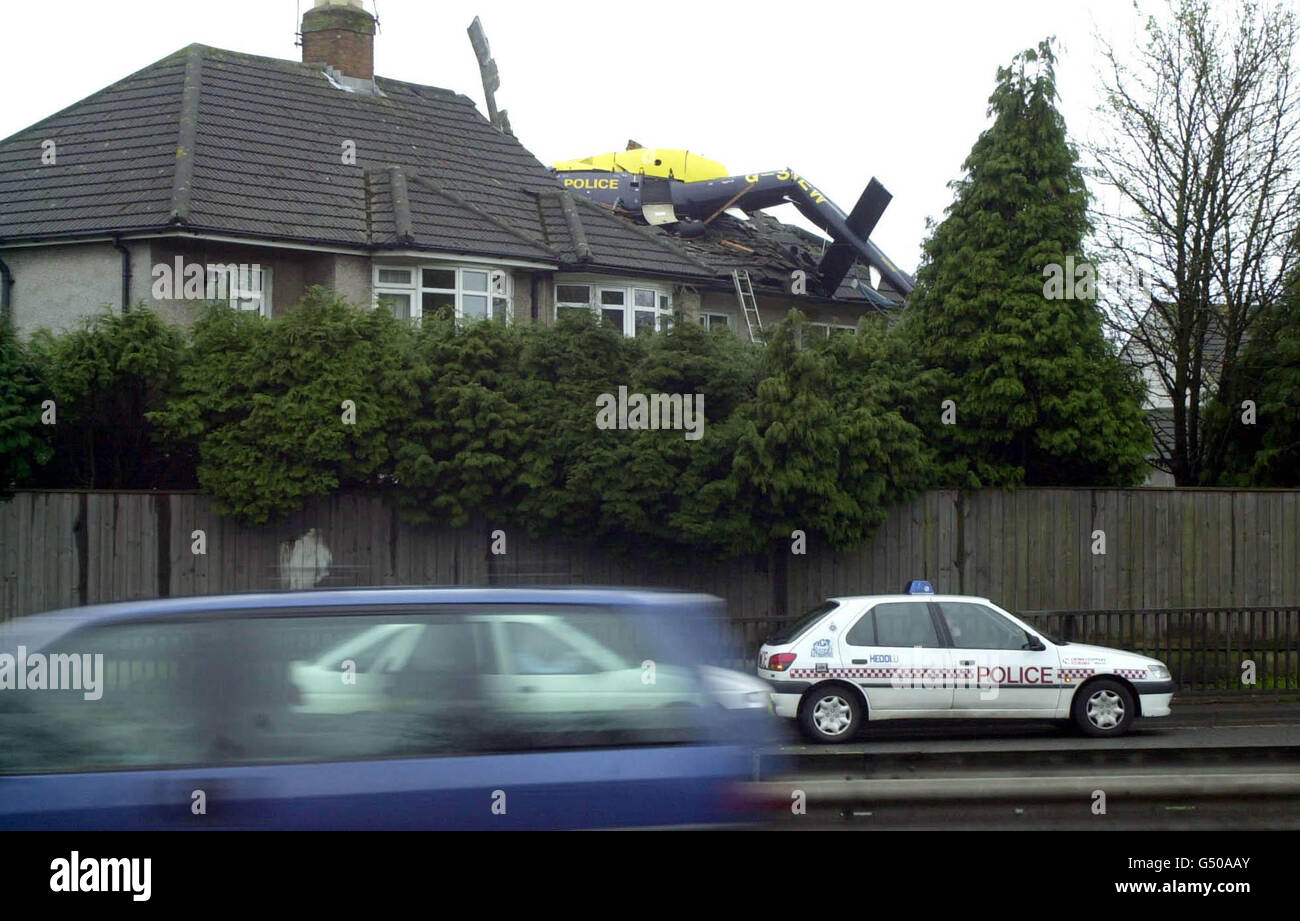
(745, 294)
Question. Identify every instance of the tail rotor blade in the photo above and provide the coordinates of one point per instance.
(861, 221)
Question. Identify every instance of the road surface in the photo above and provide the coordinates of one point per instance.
(1230, 765)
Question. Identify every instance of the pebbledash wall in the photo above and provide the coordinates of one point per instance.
(1029, 550)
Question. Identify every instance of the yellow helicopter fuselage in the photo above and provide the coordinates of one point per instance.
(651, 161)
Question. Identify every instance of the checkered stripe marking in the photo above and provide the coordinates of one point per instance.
(881, 673)
(1131, 672)
(1066, 674)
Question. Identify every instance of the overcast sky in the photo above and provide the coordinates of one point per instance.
(837, 91)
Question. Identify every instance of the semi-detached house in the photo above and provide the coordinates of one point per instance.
(250, 179)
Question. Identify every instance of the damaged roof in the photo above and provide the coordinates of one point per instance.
(213, 141)
(771, 250)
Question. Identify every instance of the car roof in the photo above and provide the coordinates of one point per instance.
(855, 599)
(56, 623)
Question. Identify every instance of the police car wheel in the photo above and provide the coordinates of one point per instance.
(830, 714)
(1104, 708)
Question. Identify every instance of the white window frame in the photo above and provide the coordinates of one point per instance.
(499, 291)
(256, 299)
(707, 317)
(826, 329)
(628, 287)
(814, 332)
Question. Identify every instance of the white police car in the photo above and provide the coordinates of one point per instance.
(539, 662)
(922, 655)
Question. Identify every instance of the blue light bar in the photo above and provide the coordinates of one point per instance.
(918, 587)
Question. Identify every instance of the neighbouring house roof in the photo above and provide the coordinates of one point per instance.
(216, 142)
(1158, 408)
(406, 209)
(219, 142)
(1150, 327)
(1160, 420)
(589, 235)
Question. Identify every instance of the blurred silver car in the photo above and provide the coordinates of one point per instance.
(532, 662)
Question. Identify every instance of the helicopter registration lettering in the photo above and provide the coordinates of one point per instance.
(784, 175)
(591, 183)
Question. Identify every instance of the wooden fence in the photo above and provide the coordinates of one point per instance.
(1031, 549)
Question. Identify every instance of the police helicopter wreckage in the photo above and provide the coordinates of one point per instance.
(683, 192)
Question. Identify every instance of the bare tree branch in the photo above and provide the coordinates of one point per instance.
(1203, 158)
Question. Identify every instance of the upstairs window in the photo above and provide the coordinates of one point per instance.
(632, 309)
(395, 289)
(814, 332)
(242, 287)
(613, 308)
(570, 298)
(466, 292)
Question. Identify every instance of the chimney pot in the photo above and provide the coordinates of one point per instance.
(340, 33)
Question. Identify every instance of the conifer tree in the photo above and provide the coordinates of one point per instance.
(107, 376)
(823, 447)
(1039, 396)
(457, 452)
(287, 409)
(24, 445)
(1252, 431)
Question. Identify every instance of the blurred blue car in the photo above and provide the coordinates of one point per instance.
(385, 708)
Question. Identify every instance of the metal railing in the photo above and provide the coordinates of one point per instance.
(1208, 650)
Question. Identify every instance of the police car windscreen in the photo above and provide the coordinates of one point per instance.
(1048, 635)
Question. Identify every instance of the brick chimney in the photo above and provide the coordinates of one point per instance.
(340, 33)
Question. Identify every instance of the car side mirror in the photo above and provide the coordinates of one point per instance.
(1034, 643)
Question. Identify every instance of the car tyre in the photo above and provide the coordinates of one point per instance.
(1104, 708)
(830, 714)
